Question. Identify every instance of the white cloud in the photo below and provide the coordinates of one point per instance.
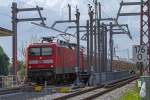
(53, 4)
(54, 8)
(44, 3)
(5, 3)
(58, 6)
(74, 3)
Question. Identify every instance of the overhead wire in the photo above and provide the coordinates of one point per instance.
(61, 10)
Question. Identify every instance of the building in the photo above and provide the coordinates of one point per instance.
(5, 32)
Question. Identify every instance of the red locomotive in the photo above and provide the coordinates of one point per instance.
(56, 62)
(52, 62)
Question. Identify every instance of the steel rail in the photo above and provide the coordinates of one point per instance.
(107, 87)
(15, 90)
(10, 91)
(110, 88)
(77, 93)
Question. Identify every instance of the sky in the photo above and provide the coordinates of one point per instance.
(57, 10)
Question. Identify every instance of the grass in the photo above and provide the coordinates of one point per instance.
(131, 94)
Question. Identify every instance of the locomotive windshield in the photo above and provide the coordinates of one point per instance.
(42, 51)
(46, 51)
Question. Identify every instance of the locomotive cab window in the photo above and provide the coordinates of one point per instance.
(46, 51)
(43, 51)
(34, 52)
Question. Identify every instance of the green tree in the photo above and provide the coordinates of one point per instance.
(4, 62)
(21, 69)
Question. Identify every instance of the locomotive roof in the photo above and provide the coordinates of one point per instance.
(46, 44)
(38, 44)
(5, 32)
(43, 44)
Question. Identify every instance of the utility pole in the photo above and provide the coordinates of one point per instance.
(95, 48)
(88, 46)
(95, 36)
(99, 8)
(102, 36)
(99, 47)
(99, 31)
(69, 12)
(78, 44)
(91, 13)
(14, 38)
(105, 47)
(15, 21)
(111, 46)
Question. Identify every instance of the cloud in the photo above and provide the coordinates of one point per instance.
(53, 4)
(56, 10)
(5, 3)
(44, 3)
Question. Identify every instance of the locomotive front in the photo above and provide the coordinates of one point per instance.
(40, 62)
(52, 62)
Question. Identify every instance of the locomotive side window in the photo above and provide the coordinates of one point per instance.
(46, 51)
(34, 52)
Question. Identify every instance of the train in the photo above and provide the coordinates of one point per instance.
(54, 62)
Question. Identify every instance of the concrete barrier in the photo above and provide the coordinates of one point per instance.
(106, 77)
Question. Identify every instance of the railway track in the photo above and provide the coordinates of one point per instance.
(10, 91)
(86, 94)
(15, 90)
(95, 92)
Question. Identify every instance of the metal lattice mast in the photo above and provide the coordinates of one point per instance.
(145, 26)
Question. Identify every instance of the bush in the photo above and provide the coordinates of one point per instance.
(4, 63)
(131, 95)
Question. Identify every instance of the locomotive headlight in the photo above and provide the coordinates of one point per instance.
(29, 67)
(52, 66)
(40, 58)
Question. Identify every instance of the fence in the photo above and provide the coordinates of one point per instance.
(7, 81)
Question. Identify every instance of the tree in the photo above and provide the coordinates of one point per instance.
(22, 51)
(22, 70)
(4, 63)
